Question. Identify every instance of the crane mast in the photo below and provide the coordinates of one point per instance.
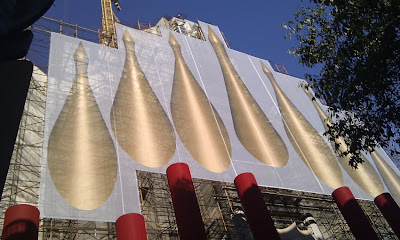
(108, 35)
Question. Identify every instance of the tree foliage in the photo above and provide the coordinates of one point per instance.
(356, 43)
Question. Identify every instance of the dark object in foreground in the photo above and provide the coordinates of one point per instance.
(15, 77)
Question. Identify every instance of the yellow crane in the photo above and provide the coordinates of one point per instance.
(108, 35)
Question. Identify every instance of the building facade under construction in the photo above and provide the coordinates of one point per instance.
(188, 75)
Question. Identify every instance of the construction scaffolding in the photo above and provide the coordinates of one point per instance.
(224, 218)
(23, 178)
(40, 46)
(219, 204)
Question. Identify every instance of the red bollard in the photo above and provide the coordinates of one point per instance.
(257, 215)
(186, 208)
(390, 210)
(131, 226)
(353, 214)
(21, 222)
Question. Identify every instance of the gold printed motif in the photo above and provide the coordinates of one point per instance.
(252, 127)
(390, 177)
(81, 154)
(365, 175)
(197, 122)
(140, 124)
(307, 142)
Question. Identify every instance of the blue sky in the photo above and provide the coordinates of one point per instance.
(252, 27)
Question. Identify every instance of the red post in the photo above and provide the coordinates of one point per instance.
(390, 210)
(353, 214)
(187, 211)
(131, 226)
(21, 222)
(257, 215)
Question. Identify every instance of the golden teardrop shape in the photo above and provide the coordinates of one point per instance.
(390, 177)
(365, 175)
(81, 155)
(252, 127)
(307, 142)
(140, 124)
(197, 122)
